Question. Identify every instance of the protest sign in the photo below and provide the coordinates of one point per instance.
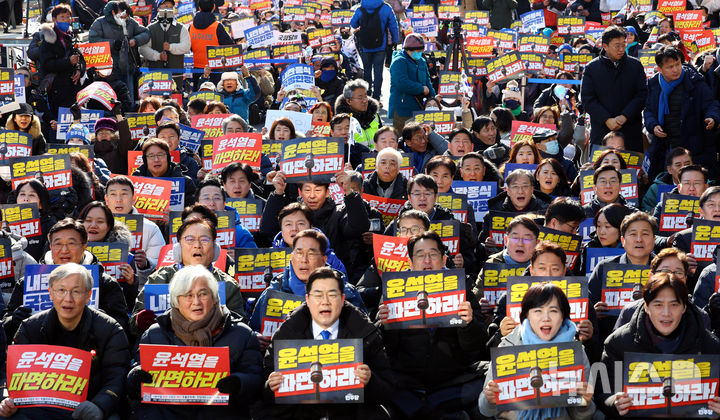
(425, 26)
(669, 7)
(522, 130)
(692, 381)
(534, 43)
(184, 375)
(424, 299)
(157, 296)
(16, 144)
(575, 289)
(388, 207)
(449, 232)
(560, 368)
(534, 62)
(20, 88)
(23, 219)
(206, 154)
(499, 220)
(320, 36)
(647, 58)
(340, 18)
(97, 54)
(448, 11)
(477, 193)
(301, 121)
(628, 186)
(237, 147)
(255, 267)
(705, 238)
(7, 271)
(321, 129)
(53, 171)
(456, 203)
(675, 211)
(41, 375)
(278, 307)
(311, 159)
(211, 124)
(633, 160)
(688, 19)
(134, 223)
(225, 228)
(480, 17)
(7, 85)
(332, 362)
(570, 243)
(444, 121)
(621, 285)
(157, 83)
(533, 21)
(571, 25)
(207, 96)
(111, 255)
(505, 39)
(596, 255)
(35, 287)
(451, 86)
(298, 76)
(390, 253)
(494, 277)
(88, 118)
(141, 125)
(480, 46)
(250, 211)
(512, 167)
(294, 51)
(575, 62)
(190, 138)
(177, 193)
(135, 159)
(100, 92)
(259, 36)
(152, 196)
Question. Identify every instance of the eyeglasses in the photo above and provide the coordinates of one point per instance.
(204, 240)
(433, 255)
(678, 273)
(415, 230)
(573, 228)
(360, 98)
(320, 296)
(420, 194)
(517, 240)
(60, 245)
(307, 254)
(157, 156)
(607, 182)
(201, 295)
(520, 187)
(210, 197)
(74, 294)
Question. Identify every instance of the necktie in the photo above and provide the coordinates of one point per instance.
(325, 334)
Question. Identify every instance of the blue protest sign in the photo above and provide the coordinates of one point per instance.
(259, 36)
(510, 167)
(190, 138)
(35, 289)
(298, 76)
(534, 21)
(157, 296)
(177, 193)
(597, 255)
(88, 118)
(478, 193)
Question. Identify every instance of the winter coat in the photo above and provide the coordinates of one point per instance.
(387, 22)
(437, 145)
(245, 364)
(39, 145)
(114, 151)
(281, 283)
(408, 78)
(501, 202)
(635, 337)
(652, 197)
(332, 260)
(55, 52)
(705, 287)
(173, 171)
(97, 333)
(238, 102)
(152, 243)
(233, 298)
(106, 29)
(369, 120)
(397, 190)
(698, 104)
(568, 166)
(595, 205)
(608, 90)
(333, 89)
(501, 12)
(243, 237)
(353, 324)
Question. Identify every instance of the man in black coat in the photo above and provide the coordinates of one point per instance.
(326, 315)
(613, 91)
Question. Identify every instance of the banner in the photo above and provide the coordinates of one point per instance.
(423, 299)
(558, 369)
(633, 160)
(40, 375)
(16, 144)
(522, 130)
(494, 277)
(237, 147)
(184, 375)
(7, 85)
(571, 25)
(691, 379)
(331, 363)
(152, 196)
(253, 266)
(505, 68)
(705, 238)
(35, 287)
(53, 171)
(456, 203)
(499, 220)
(98, 54)
(134, 223)
(597, 255)
(675, 210)
(388, 207)
(444, 121)
(628, 186)
(312, 159)
(620, 283)
(575, 289)
(157, 296)
(224, 57)
(259, 36)
(279, 305)
(250, 211)
(157, 83)
(111, 255)
(477, 193)
(211, 124)
(23, 219)
(534, 43)
(368, 165)
(391, 254)
(571, 244)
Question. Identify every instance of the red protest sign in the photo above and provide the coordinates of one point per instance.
(688, 19)
(140, 11)
(390, 253)
(668, 7)
(522, 130)
(184, 375)
(47, 376)
(389, 207)
(480, 46)
(211, 124)
(97, 54)
(135, 159)
(100, 91)
(321, 129)
(152, 196)
(237, 147)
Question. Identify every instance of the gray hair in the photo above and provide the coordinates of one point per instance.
(236, 118)
(356, 178)
(70, 269)
(352, 85)
(183, 280)
(517, 173)
(389, 151)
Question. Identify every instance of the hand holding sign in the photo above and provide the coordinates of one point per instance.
(491, 390)
(622, 403)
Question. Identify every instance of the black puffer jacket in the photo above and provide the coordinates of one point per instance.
(245, 363)
(96, 332)
(353, 324)
(399, 186)
(501, 202)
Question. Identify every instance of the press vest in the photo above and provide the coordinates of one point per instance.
(199, 40)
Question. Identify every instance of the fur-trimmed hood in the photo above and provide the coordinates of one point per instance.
(364, 118)
(34, 129)
(120, 233)
(48, 32)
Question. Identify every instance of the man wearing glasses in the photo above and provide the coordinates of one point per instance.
(68, 243)
(326, 315)
(607, 190)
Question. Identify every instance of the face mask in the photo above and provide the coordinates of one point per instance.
(432, 108)
(552, 147)
(120, 21)
(416, 55)
(104, 146)
(63, 26)
(345, 35)
(511, 104)
(327, 75)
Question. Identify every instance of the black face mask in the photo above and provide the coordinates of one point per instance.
(345, 35)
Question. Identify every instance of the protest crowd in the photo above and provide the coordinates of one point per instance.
(218, 210)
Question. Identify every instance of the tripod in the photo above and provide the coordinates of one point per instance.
(456, 51)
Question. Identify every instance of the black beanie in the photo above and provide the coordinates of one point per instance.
(206, 5)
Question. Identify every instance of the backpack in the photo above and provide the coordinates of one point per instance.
(371, 30)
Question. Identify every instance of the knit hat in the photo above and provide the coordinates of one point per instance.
(547, 32)
(511, 91)
(106, 124)
(414, 42)
(229, 75)
(206, 5)
(564, 48)
(78, 131)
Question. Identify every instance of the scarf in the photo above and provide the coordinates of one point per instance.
(297, 285)
(627, 49)
(666, 344)
(565, 334)
(666, 89)
(196, 333)
(508, 259)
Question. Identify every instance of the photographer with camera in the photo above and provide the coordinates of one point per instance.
(169, 41)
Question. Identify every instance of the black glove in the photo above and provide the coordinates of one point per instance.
(117, 44)
(137, 377)
(87, 410)
(21, 313)
(230, 384)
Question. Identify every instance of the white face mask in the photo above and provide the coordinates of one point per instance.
(119, 20)
(432, 108)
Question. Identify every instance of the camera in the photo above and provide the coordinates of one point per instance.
(165, 15)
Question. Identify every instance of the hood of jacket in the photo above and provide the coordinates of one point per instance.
(34, 129)
(203, 19)
(48, 32)
(120, 233)
(364, 118)
(663, 178)
(371, 5)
